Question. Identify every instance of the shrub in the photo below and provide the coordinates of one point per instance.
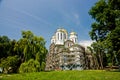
(30, 66)
(10, 64)
(43, 66)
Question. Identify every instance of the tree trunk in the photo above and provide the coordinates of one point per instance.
(100, 59)
(96, 63)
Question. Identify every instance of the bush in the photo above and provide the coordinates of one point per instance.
(10, 64)
(30, 66)
(43, 66)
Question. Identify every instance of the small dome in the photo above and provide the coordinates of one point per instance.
(59, 30)
(63, 30)
(73, 33)
(53, 37)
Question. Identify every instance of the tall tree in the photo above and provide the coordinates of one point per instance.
(4, 46)
(105, 29)
(31, 47)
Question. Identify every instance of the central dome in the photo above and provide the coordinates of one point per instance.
(61, 35)
(61, 30)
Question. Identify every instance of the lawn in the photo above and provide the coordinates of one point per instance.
(64, 75)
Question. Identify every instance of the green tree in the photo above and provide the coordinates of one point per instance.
(4, 46)
(31, 47)
(7, 47)
(10, 64)
(30, 66)
(99, 54)
(105, 29)
(113, 44)
(94, 55)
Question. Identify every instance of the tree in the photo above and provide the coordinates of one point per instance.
(113, 41)
(31, 47)
(4, 46)
(105, 29)
(7, 47)
(27, 48)
(99, 54)
(30, 66)
(10, 64)
(94, 55)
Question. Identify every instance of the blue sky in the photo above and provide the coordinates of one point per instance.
(43, 17)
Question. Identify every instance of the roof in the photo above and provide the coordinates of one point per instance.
(73, 33)
(62, 30)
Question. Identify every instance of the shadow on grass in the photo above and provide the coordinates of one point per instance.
(113, 70)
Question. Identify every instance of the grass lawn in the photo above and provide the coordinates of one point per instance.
(64, 75)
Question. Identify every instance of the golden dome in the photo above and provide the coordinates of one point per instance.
(61, 30)
(53, 37)
(73, 33)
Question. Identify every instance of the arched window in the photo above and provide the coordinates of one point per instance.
(61, 36)
(65, 36)
(75, 39)
(68, 44)
(58, 36)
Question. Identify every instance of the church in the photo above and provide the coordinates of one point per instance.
(65, 53)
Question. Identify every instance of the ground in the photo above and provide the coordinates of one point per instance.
(64, 75)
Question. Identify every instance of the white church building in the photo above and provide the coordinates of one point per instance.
(64, 52)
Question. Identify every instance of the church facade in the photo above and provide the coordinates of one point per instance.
(65, 53)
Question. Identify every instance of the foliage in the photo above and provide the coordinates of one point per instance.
(28, 47)
(31, 47)
(99, 55)
(65, 75)
(10, 64)
(43, 66)
(4, 46)
(105, 30)
(4, 39)
(113, 44)
(30, 66)
(7, 47)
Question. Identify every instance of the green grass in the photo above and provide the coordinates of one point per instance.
(64, 75)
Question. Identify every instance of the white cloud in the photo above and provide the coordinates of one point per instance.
(32, 15)
(86, 43)
(77, 18)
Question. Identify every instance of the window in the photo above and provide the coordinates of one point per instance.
(75, 39)
(69, 44)
(61, 36)
(58, 36)
(65, 36)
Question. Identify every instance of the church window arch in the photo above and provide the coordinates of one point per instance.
(61, 36)
(65, 36)
(58, 36)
